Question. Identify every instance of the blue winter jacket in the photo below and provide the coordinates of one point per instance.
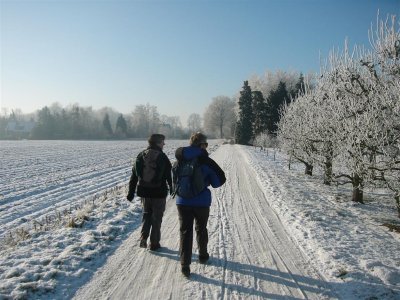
(212, 174)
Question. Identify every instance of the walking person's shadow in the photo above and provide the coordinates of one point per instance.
(317, 287)
(167, 253)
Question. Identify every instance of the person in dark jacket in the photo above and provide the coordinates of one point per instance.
(151, 173)
(196, 209)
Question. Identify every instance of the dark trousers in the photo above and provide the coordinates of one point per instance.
(187, 216)
(153, 211)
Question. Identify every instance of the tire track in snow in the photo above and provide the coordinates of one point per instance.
(250, 254)
(287, 253)
(222, 236)
(274, 240)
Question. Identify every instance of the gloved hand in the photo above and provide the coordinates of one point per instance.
(130, 197)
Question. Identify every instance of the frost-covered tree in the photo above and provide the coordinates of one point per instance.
(366, 126)
(265, 140)
(352, 116)
(171, 126)
(218, 116)
(296, 138)
(194, 122)
(384, 65)
(145, 120)
(387, 161)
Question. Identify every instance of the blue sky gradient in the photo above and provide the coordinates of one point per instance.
(174, 54)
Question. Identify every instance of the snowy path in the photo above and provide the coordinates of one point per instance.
(252, 256)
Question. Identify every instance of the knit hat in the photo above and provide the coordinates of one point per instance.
(156, 138)
(197, 139)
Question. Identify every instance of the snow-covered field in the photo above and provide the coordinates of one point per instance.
(274, 233)
(39, 178)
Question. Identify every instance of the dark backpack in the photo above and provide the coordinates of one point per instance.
(188, 178)
(148, 168)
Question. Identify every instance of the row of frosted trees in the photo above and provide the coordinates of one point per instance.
(76, 122)
(349, 123)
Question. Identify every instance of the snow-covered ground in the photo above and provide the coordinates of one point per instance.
(40, 178)
(344, 240)
(274, 233)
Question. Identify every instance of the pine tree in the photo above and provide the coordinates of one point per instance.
(107, 124)
(77, 126)
(121, 126)
(275, 100)
(299, 88)
(45, 125)
(260, 112)
(244, 126)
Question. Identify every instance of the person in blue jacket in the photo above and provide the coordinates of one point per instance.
(197, 209)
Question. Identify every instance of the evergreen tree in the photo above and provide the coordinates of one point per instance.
(66, 124)
(58, 130)
(77, 128)
(121, 126)
(299, 88)
(45, 125)
(275, 100)
(107, 124)
(260, 112)
(244, 126)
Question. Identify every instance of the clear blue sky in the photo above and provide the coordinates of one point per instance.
(174, 54)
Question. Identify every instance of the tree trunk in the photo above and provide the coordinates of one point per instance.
(220, 131)
(372, 160)
(309, 169)
(328, 164)
(358, 194)
(328, 171)
(397, 198)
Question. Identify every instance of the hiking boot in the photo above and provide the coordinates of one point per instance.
(154, 247)
(143, 244)
(203, 259)
(185, 269)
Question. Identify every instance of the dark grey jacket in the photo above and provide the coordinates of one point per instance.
(164, 173)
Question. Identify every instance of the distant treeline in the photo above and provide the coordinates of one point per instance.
(245, 116)
(77, 122)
